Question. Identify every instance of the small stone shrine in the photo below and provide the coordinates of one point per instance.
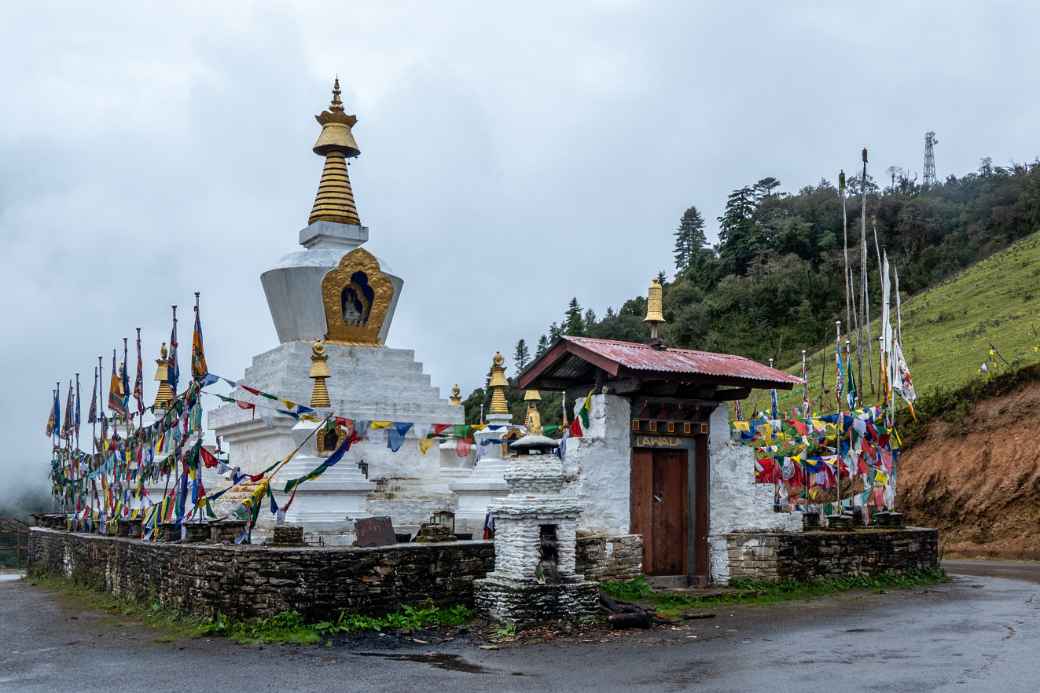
(534, 580)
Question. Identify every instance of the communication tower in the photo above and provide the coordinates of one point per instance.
(929, 158)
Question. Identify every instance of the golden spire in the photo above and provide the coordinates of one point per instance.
(335, 199)
(164, 395)
(456, 396)
(654, 307)
(319, 372)
(533, 418)
(498, 386)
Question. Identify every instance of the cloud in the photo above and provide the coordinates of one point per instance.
(513, 157)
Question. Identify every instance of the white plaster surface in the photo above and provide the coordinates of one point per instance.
(293, 285)
(597, 467)
(736, 501)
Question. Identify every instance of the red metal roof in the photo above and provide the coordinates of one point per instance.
(643, 357)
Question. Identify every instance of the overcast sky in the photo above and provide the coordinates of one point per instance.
(513, 155)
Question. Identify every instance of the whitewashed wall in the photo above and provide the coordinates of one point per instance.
(596, 467)
(737, 502)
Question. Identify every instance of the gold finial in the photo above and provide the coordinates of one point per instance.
(533, 418)
(337, 105)
(164, 395)
(335, 199)
(319, 372)
(654, 307)
(498, 385)
(456, 396)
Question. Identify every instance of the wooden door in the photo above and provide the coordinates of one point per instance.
(659, 509)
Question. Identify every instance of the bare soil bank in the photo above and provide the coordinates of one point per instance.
(978, 480)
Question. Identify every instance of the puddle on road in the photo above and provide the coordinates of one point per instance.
(449, 662)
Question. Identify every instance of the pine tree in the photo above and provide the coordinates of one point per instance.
(521, 355)
(573, 324)
(689, 239)
(543, 346)
(554, 332)
(737, 245)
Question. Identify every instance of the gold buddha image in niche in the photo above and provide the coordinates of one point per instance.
(357, 297)
(357, 300)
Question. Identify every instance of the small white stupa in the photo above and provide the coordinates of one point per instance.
(335, 290)
(486, 481)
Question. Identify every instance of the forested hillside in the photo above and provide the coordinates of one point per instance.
(773, 284)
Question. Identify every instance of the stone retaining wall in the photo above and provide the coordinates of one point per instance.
(600, 557)
(803, 556)
(255, 581)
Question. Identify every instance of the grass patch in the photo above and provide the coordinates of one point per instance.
(288, 627)
(949, 328)
(173, 625)
(671, 605)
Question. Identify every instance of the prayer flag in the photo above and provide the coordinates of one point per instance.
(199, 369)
(580, 424)
(53, 418)
(115, 390)
(92, 415)
(173, 370)
(139, 378)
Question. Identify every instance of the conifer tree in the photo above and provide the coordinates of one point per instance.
(573, 324)
(689, 239)
(543, 346)
(521, 355)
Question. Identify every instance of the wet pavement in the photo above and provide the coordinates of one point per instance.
(981, 632)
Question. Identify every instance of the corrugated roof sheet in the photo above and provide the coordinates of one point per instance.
(643, 357)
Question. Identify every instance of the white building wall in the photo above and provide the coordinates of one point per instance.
(736, 501)
(596, 467)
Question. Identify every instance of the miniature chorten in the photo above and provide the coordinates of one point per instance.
(333, 289)
(163, 395)
(486, 482)
(533, 418)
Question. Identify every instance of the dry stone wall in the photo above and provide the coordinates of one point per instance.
(602, 557)
(805, 556)
(256, 581)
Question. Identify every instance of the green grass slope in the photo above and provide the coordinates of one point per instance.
(948, 330)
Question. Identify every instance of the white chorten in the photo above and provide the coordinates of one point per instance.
(334, 289)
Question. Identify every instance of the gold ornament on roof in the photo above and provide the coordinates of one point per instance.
(533, 418)
(498, 385)
(164, 395)
(319, 372)
(335, 199)
(357, 297)
(654, 307)
(456, 396)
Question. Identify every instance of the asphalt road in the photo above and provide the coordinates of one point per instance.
(979, 633)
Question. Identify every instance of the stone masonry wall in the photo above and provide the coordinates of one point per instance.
(805, 556)
(256, 581)
(601, 557)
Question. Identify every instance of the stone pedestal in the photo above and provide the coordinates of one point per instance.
(486, 481)
(534, 580)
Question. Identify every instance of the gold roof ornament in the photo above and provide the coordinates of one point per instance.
(335, 199)
(654, 308)
(319, 372)
(533, 418)
(498, 385)
(164, 395)
(456, 396)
